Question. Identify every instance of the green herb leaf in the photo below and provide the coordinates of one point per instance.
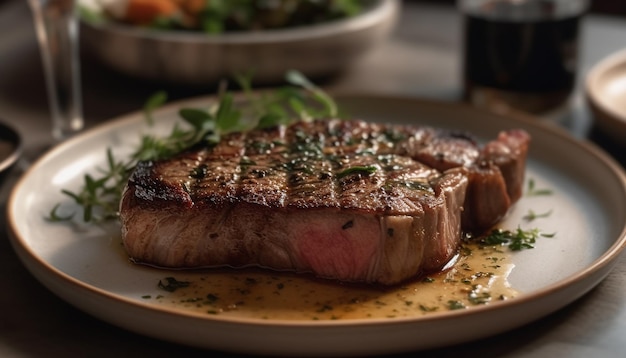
(227, 118)
(427, 308)
(533, 191)
(365, 170)
(155, 101)
(531, 215)
(516, 240)
(270, 120)
(298, 79)
(100, 194)
(171, 284)
(55, 217)
(200, 119)
(455, 305)
(478, 298)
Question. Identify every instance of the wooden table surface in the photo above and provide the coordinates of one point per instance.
(421, 59)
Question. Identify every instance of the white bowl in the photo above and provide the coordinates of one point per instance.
(200, 59)
(605, 91)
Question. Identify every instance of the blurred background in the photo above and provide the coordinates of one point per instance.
(421, 57)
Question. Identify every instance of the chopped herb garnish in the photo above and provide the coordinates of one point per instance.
(211, 298)
(428, 309)
(516, 240)
(479, 298)
(171, 284)
(531, 215)
(533, 191)
(416, 185)
(455, 305)
(362, 170)
(324, 308)
(199, 172)
(245, 160)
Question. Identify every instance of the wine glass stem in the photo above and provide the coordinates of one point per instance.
(57, 33)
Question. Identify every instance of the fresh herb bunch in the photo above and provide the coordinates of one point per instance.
(299, 100)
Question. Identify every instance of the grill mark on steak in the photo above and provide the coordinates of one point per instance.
(311, 183)
(346, 200)
(262, 182)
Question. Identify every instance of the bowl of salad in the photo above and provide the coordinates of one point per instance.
(201, 42)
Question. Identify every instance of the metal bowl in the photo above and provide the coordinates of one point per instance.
(199, 59)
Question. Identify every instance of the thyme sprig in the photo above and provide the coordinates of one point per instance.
(100, 194)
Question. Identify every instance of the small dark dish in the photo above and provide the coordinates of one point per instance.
(10, 149)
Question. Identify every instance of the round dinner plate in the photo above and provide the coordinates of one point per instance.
(85, 266)
(605, 90)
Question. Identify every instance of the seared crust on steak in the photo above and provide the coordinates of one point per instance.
(346, 200)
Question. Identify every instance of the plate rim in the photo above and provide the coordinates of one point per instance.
(606, 116)
(598, 268)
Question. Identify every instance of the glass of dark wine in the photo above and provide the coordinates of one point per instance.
(521, 54)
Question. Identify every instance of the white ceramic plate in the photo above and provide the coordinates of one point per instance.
(605, 90)
(85, 266)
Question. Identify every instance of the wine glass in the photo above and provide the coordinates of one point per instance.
(56, 27)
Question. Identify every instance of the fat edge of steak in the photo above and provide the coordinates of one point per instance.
(369, 203)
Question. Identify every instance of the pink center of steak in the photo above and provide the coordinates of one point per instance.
(336, 246)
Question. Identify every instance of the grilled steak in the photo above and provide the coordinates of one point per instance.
(346, 200)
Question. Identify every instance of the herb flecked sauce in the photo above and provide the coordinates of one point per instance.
(478, 277)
